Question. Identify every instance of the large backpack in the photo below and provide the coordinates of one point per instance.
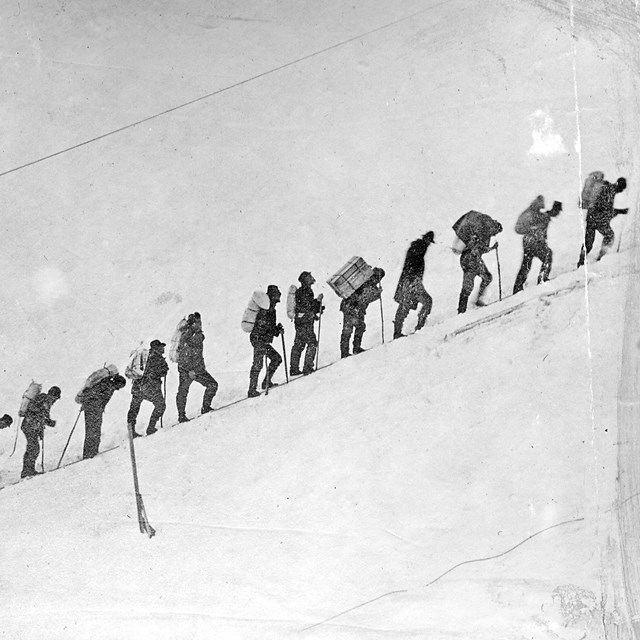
(137, 363)
(259, 300)
(31, 392)
(526, 218)
(107, 371)
(291, 302)
(174, 349)
(591, 190)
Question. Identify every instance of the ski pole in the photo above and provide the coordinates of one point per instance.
(382, 318)
(499, 274)
(318, 348)
(284, 355)
(15, 442)
(42, 449)
(266, 375)
(69, 438)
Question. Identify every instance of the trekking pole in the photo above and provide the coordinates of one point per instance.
(266, 376)
(499, 274)
(69, 438)
(284, 355)
(15, 442)
(42, 449)
(382, 318)
(143, 521)
(318, 349)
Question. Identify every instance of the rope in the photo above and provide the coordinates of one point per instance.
(442, 575)
(235, 85)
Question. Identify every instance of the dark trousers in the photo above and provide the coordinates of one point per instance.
(92, 431)
(608, 237)
(409, 297)
(472, 266)
(260, 351)
(202, 377)
(151, 391)
(305, 339)
(33, 436)
(352, 323)
(533, 248)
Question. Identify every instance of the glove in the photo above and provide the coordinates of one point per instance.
(192, 375)
(494, 246)
(319, 298)
(279, 329)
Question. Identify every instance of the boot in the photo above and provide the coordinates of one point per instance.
(183, 418)
(206, 410)
(151, 430)
(253, 393)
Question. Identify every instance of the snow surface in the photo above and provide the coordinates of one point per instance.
(375, 475)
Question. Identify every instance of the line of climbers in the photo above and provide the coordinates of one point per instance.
(356, 283)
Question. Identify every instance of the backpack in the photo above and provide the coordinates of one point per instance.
(526, 218)
(137, 363)
(174, 348)
(259, 300)
(107, 371)
(31, 392)
(591, 190)
(291, 302)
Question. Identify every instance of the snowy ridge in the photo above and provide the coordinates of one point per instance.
(347, 494)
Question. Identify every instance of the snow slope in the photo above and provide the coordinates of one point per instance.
(334, 130)
(371, 477)
(427, 110)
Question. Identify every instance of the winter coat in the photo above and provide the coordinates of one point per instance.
(356, 304)
(156, 369)
(190, 356)
(602, 211)
(265, 328)
(413, 268)
(96, 398)
(37, 415)
(307, 307)
(534, 221)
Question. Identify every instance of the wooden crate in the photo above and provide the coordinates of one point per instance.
(351, 277)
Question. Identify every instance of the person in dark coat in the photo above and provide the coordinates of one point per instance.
(599, 217)
(475, 229)
(191, 367)
(149, 387)
(307, 311)
(264, 331)
(6, 421)
(535, 223)
(354, 310)
(36, 418)
(410, 291)
(94, 401)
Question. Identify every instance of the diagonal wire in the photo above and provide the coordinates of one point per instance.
(235, 85)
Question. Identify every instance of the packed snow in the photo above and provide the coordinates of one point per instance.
(329, 508)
